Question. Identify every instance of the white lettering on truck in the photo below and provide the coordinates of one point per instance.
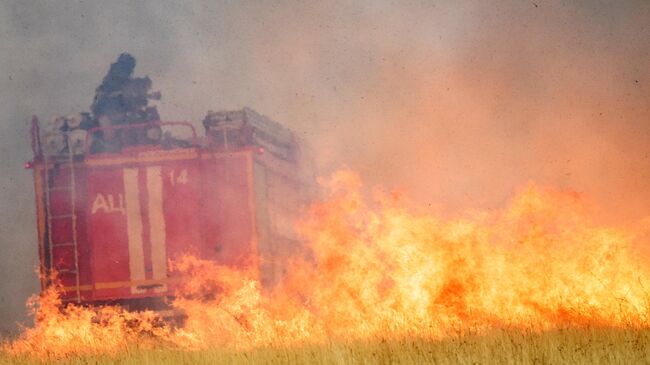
(106, 204)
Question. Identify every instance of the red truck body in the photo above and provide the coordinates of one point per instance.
(110, 223)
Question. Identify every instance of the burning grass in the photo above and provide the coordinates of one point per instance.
(561, 346)
(536, 282)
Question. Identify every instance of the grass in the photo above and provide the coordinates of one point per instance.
(567, 346)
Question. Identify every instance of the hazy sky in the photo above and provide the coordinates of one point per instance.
(458, 103)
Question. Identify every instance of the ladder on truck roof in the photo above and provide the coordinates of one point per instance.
(51, 164)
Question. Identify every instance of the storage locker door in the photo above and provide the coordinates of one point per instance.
(114, 221)
(181, 207)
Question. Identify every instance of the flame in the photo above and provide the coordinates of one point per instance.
(375, 269)
(71, 329)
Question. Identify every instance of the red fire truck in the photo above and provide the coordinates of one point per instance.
(116, 203)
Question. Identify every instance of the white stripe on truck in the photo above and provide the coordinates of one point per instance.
(134, 226)
(157, 235)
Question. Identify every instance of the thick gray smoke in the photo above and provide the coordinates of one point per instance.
(458, 103)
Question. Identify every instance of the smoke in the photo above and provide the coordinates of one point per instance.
(455, 103)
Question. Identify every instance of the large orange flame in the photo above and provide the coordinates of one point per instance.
(374, 269)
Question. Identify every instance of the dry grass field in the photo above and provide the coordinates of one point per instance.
(566, 346)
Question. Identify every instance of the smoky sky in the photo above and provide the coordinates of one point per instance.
(456, 103)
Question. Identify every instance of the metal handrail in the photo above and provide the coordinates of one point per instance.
(36, 137)
(92, 131)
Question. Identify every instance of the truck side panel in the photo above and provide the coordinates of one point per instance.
(114, 222)
(228, 209)
(181, 201)
(279, 198)
(139, 211)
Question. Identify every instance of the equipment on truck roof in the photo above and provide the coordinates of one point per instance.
(246, 127)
